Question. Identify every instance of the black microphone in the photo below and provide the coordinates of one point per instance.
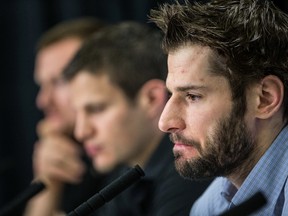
(31, 191)
(109, 192)
(249, 206)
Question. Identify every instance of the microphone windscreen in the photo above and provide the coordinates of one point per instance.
(31, 191)
(109, 192)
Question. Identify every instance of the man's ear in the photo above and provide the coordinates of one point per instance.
(271, 96)
(152, 97)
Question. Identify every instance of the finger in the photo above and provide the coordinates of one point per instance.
(68, 170)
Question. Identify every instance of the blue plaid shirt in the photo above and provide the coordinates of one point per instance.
(268, 176)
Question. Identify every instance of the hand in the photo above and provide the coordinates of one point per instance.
(57, 160)
(48, 126)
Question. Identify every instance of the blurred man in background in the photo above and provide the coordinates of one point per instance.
(58, 158)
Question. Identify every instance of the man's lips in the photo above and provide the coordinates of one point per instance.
(179, 146)
(93, 150)
(183, 145)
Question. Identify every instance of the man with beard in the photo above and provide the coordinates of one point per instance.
(227, 112)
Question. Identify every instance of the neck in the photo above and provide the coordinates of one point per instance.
(148, 148)
(265, 135)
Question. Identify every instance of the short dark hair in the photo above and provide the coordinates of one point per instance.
(80, 28)
(128, 52)
(250, 35)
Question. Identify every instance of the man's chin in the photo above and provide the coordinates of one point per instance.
(192, 170)
(181, 165)
(55, 120)
(103, 168)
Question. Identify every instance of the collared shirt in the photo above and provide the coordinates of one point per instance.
(161, 192)
(269, 176)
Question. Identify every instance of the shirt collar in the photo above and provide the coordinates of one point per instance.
(268, 176)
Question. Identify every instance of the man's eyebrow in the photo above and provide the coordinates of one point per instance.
(186, 88)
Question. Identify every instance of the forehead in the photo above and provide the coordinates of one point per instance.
(189, 63)
(85, 81)
(189, 67)
(87, 87)
(194, 56)
(51, 60)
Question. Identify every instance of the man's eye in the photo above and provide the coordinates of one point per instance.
(96, 108)
(193, 97)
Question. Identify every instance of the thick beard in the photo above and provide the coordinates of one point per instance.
(225, 151)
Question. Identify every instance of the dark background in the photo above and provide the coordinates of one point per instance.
(22, 23)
